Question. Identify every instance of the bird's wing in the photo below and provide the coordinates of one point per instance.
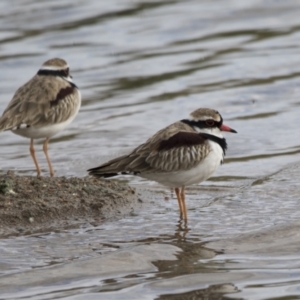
(182, 151)
(39, 102)
(174, 148)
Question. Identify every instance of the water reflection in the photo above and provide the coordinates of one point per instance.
(214, 292)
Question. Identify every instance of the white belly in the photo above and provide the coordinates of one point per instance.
(195, 175)
(43, 132)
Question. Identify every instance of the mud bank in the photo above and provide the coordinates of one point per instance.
(30, 204)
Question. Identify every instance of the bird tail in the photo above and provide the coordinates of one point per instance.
(111, 168)
(4, 124)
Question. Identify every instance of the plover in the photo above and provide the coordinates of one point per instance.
(43, 106)
(184, 153)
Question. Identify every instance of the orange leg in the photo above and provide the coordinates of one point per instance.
(32, 152)
(182, 196)
(45, 148)
(178, 195)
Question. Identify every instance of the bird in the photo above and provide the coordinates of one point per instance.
(184, 153)
(43, 106)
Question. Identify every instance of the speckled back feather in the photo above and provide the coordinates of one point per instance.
(31, 104)
(151, 158)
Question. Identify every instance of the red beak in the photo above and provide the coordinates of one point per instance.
(227, 128)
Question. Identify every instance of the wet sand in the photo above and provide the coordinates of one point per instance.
(30, 204)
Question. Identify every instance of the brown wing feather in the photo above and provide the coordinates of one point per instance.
(168, 150)
(41, 101)
(182, 151)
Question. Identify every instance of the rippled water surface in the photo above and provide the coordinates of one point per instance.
(141, 66)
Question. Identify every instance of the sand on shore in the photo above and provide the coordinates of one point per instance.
(31, 204)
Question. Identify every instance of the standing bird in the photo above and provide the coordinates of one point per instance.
(43, 106)
(184, 153)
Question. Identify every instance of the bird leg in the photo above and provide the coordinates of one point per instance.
(178, 195)
(45, 148)
(182, 196)
(32, 152)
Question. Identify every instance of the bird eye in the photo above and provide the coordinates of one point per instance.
(210, 123)
(66, 72)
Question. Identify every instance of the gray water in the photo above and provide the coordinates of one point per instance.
(141, 66)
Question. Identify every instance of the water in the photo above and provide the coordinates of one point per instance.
(141, 66)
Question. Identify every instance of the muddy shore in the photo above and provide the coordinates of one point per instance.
(30, 204)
